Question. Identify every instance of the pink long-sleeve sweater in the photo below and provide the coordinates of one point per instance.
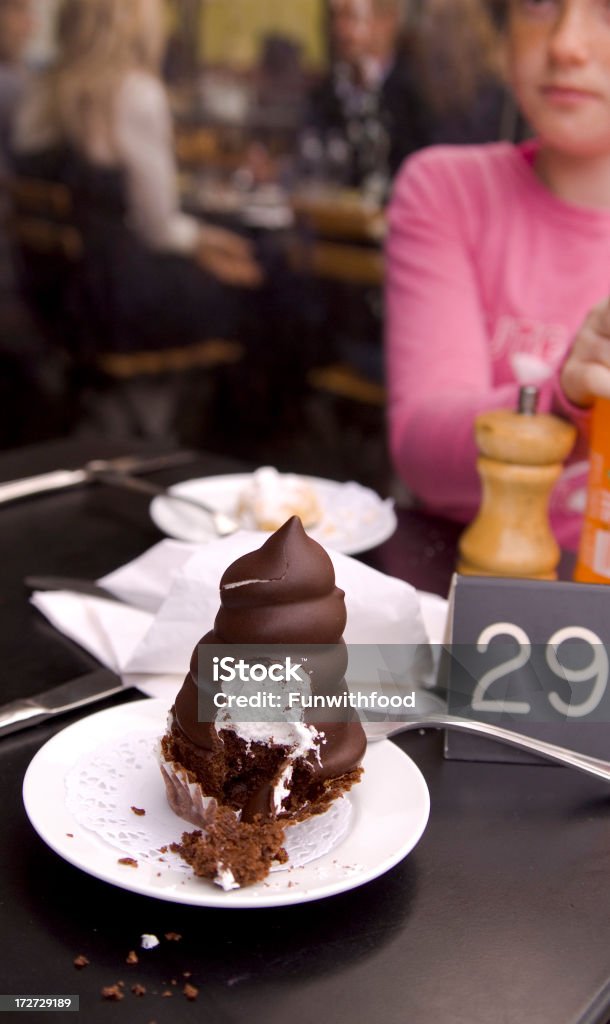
(487, 273)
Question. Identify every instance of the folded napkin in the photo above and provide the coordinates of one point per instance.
(169, 598)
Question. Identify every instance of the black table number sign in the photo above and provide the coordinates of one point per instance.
(533, 656)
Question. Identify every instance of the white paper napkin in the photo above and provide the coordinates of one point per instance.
(108, 630)
(171, 596)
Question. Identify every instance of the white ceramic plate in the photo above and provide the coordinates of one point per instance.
(354, 518)
(390, 810)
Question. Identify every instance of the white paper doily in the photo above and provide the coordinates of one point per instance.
(108, 786)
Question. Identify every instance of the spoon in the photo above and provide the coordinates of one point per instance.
(223, 524)
(582, 762)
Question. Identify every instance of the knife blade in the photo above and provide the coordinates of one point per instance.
(59, 479)
(77, 693)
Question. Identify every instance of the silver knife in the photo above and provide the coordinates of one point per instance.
(21, 714)
(61, 478)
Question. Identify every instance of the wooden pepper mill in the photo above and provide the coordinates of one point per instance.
(521, 457)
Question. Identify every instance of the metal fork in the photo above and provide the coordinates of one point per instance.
(582, 762)
(224, 525)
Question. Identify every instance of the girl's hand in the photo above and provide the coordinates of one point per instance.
(585, 375)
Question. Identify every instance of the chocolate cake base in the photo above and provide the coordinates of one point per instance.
(242, 776)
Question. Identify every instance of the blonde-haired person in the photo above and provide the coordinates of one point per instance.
(104, 107)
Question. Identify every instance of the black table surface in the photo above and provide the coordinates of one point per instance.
(500, 914)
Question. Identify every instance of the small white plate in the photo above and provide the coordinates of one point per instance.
(354, 518)
(390, 809)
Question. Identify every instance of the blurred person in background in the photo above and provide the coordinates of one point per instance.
(25, 379)
(99, 121)
(365, 115)
(16, 26)
(406, 74)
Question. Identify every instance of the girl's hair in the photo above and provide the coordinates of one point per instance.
(99, 42)
(499, 11)
(455, 47)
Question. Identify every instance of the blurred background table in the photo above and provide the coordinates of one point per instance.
(501, 913)
(338, 212)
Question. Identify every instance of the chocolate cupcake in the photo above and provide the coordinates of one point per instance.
(291, 764)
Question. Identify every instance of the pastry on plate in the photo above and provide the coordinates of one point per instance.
(243, 781)
(270, 498)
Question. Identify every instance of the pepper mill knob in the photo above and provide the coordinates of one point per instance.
(521, 457)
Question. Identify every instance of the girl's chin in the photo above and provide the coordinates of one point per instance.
(566, 143)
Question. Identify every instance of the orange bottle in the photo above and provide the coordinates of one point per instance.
(593, 565)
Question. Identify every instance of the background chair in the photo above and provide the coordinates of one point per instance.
(337, 243)
(68, 264)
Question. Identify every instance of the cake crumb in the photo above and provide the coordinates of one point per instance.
(167, 994)
(187, 974)
(139, 811)
(138, 990)
(231, 852)
(131, 862)
(173, 936)
(70, 835)
(112, 993)
(163, 849)
(132, 957)
(148, 941)
(190, 991)
(81, 961)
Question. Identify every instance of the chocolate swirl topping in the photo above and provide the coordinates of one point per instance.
(284, 593)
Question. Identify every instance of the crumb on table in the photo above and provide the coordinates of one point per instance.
(114, 993)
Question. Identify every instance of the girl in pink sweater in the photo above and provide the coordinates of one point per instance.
(498, 268)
